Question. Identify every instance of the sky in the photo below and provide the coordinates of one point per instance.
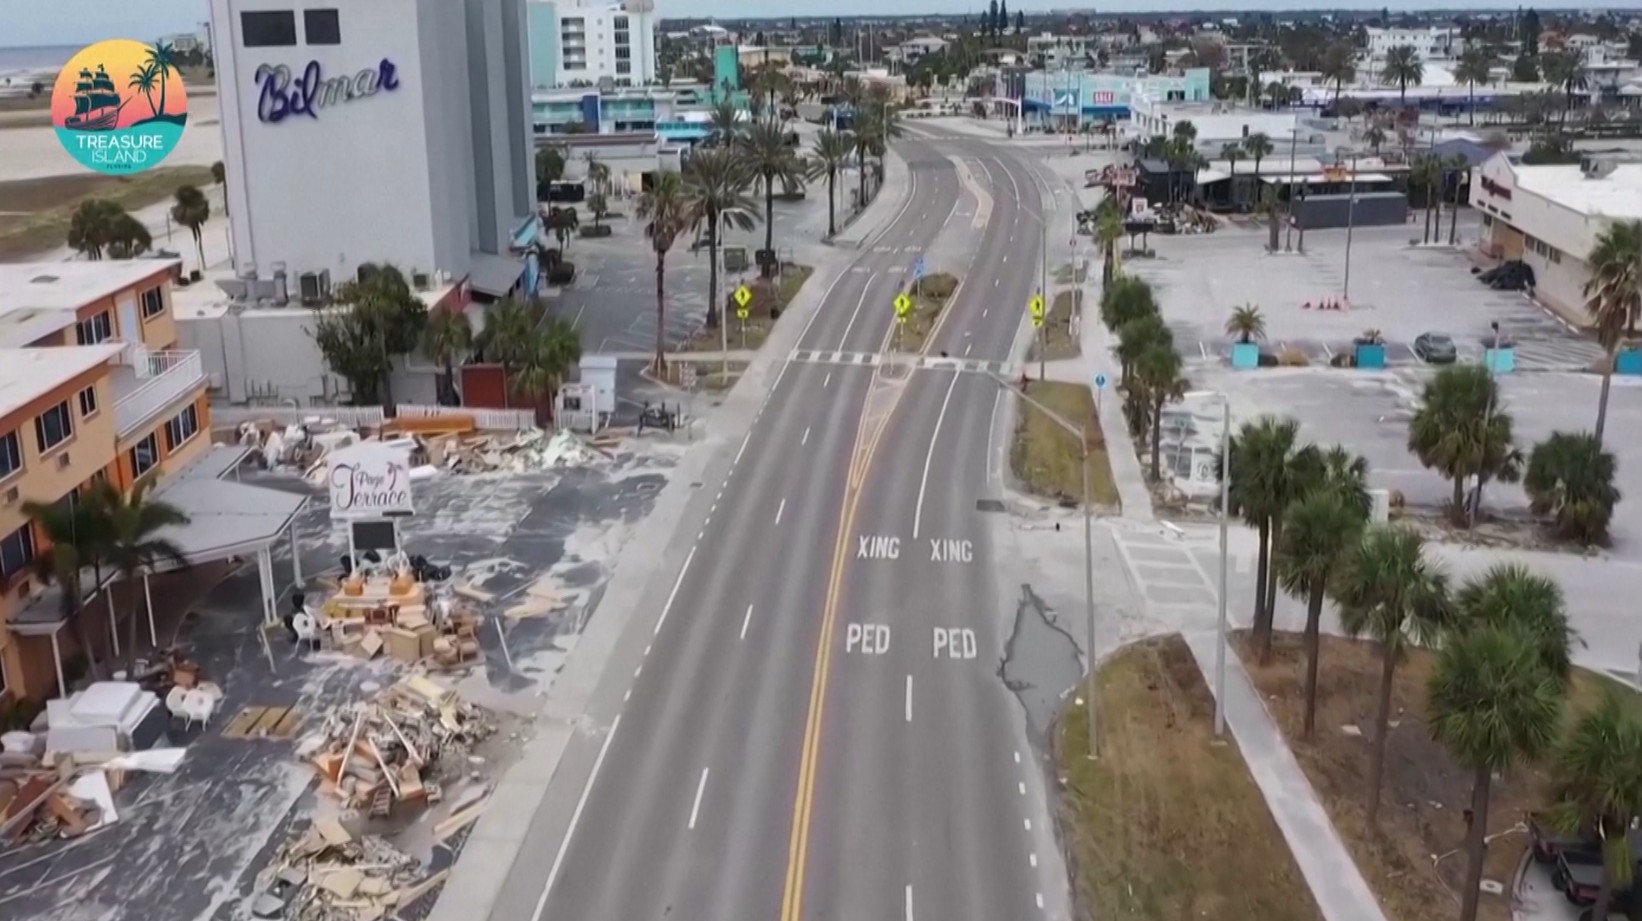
(70, 22)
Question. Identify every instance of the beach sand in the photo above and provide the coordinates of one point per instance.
(33, 151)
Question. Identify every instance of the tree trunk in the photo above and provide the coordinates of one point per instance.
(1262, 626)
(832, 203)
(1314, 620)
(1382, 721)
(1476, 845)
(1454, 216)
(76, 622)
(660, 366)
(507, 386)
(1459, 498)
(769, 224)
(712, 272)
(1426, 236)
(131, 628)
(1602, 401)
(1271, 593)
(1157, 437)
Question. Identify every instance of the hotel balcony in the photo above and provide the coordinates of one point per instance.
(154, 386)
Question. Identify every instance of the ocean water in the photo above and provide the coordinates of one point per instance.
(37, 62)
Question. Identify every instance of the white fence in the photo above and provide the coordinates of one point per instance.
(493, 420)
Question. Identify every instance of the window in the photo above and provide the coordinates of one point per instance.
(153, 302)
(624, 67)
(11, 454)
(182, 427)
(88, 402)
(267, 28)
(16, 552)
(620, 23)
(94, 330)
(53, 427)
(144, 455)
(623, 54)
(320, 27)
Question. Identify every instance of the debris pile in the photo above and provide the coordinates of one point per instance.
(45, 794)
(372, 614)
(398, 748)
(523, 452)
(328, 874)
(449, 444)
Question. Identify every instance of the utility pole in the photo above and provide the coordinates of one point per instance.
(1043, 286)
(1294, 143)
(1351, 215)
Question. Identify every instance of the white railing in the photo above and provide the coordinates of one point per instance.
(352, 416)
(171, 377)
(492, 420)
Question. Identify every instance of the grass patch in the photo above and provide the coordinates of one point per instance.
(929, 298)
(1056, 340)
(46, 205)
(1426, 794)
(1044, 456)
(770, 300)
(1168, 825)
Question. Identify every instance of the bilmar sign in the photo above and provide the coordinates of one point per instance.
(369, 480)
(284, 94)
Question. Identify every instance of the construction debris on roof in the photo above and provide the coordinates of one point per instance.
(397, 749)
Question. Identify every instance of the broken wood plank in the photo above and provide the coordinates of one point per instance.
(287, 725)
(242, 722)
(267, 721)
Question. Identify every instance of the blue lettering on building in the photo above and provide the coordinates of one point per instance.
(284, 94)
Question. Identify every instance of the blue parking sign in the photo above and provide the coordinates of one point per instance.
(1100, 382)
(918, 267)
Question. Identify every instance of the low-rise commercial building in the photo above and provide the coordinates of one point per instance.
(1550, 216)
(92, 388)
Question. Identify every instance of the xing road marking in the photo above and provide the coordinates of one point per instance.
(746, 620)
(872, 547)
(701, 787)
(923, 481)
(779, 509)
(951, 550)
(575, 817)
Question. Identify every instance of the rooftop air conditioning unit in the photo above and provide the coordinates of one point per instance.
(419, 281)
(282, 290)
(235, 288)
(309, 290)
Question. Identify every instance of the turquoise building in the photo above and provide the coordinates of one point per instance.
(1100, 96)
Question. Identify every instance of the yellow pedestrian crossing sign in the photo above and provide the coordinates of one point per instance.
(1036, 306)
(903, 306)
(743, 297)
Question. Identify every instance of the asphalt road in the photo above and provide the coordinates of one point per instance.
(816, 728)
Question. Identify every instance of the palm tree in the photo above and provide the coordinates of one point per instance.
(1318, 531)
(1427, 174)
(510, 325)
(1492, 705)
(1474, 67)
(127, 237)
(1387, 590)
(1510, 595)
(1564, 70)
(1374, 136)
(563, 223)
(1246, 323)
(1269, 470)
(137, 544)
(1231, 153)
(1402, 67)
(1108, 230)
(1571, 478)
(447, 339)
(830, 155)
(766, 155)
(76, 532)
(552, 349)
(598, 173)
(666, 212)
(143, 81)
(192, 210)
(726, 122)
(1461, 431)
(1135, 337)
(163, 61)
(91, 226)
(1457, 167)
(1611, 297)
(715, 191)
(1596, 787)
(1258, 146)
(1157, 374)
(1339, 67)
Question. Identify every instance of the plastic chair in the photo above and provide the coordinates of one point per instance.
(198, 706)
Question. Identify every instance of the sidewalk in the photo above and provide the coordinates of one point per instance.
(1341, 892)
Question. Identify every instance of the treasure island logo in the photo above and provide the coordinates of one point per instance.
(119, 105)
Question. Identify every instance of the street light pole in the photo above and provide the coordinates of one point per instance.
(1043, 286)
(1351, 217)
(1088, 546)
(1225, 514)
(1294, 143)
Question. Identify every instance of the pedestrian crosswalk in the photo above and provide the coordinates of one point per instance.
(919, 362)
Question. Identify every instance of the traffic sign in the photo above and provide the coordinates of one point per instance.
(903, 305)
(918, 267)
(1036, 306)
(743, 297)
(1100, 382)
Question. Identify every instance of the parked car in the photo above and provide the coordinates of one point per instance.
(1578, 874)
(1546, 842)
(1514, 275)
(1436, 348)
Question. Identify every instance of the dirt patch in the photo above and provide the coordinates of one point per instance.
(769, 301)
(1168, 825)
(930, 297)
(35, 213)
(1417, 864)
(1057, 340)
(1045, 457)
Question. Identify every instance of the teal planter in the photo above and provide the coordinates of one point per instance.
(1371, 357)
(1500, 361)
(1628, 361)
(1245, 355)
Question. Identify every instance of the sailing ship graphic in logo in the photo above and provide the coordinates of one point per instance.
(119, 105)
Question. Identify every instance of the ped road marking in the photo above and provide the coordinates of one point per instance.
(955, 643)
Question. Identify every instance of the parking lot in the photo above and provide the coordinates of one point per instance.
(1400, 290)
